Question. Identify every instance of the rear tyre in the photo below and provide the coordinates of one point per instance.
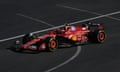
(51, 44)
(100, 37)
(97, 36)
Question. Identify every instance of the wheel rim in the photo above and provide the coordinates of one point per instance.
(53, 44)
(101, 36)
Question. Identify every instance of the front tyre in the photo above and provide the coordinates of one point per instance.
(51, 44)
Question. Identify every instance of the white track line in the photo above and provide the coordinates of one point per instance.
(84, 20)
(67, 61)
(34, 19)
(82, 10)
(101, 16)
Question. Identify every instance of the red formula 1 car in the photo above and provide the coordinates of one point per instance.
(89, 32)
(69, 34)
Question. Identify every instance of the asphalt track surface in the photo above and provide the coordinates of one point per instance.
(90, 58)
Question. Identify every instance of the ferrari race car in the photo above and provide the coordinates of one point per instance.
(88, 32)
